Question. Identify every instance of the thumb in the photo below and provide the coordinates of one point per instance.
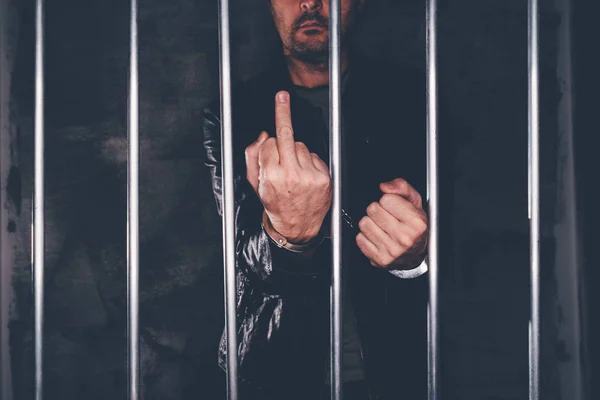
(402, 188)
(252, 160)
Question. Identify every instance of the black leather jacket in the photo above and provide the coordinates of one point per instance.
(283, 297)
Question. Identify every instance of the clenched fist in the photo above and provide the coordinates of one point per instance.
(394, 231)
(292, 183)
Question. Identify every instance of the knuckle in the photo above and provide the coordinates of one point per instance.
(421, 226)
(292, 178)
(301, 146)
(395, 252)
(268, 174)
(372, 208)
(311, 178)
(266, 147)
(359, 240)
(268, 143)
(387, 200)
(363, 223)
(384, 259)
(405, 240)
(323, 180)
(285, 130)
(402, 183)
(307, 180)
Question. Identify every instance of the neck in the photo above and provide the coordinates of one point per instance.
(311, 75)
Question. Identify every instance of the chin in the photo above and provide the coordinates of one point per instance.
(313, 56)
(312, 46)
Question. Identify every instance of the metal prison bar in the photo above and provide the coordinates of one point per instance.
(133, 206)
(38, 201)
(533, 169)
(133, 227)
(228, 214)
(432, 195)
(335, 166)
(228, 201)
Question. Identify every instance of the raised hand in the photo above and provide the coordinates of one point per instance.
(292, 183)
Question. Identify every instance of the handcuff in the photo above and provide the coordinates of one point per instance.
(282, 242)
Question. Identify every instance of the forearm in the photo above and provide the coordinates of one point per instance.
(259, 257)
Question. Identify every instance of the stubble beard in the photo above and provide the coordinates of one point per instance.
(311, 50)
(310, 47)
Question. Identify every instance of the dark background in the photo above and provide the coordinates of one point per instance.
(484, 287)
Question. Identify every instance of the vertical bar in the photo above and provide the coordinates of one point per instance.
(432, 194)
(38, 200)
(335, 145)
(534, 201)
(133, 251)
(228, 201)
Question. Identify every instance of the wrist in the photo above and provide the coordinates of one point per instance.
(410, 260)
(309, 243)
(293, 236)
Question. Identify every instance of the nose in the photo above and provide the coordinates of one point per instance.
(311, 5)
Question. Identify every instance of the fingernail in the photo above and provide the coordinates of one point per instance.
(283, 97)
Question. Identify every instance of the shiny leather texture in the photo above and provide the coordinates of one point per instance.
(283, 297)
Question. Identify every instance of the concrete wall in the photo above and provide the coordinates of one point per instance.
(9, 189)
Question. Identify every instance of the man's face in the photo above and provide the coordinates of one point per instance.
(303, 26)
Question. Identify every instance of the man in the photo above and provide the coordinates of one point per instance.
(282, 208)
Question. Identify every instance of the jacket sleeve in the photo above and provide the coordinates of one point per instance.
(273, 269)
